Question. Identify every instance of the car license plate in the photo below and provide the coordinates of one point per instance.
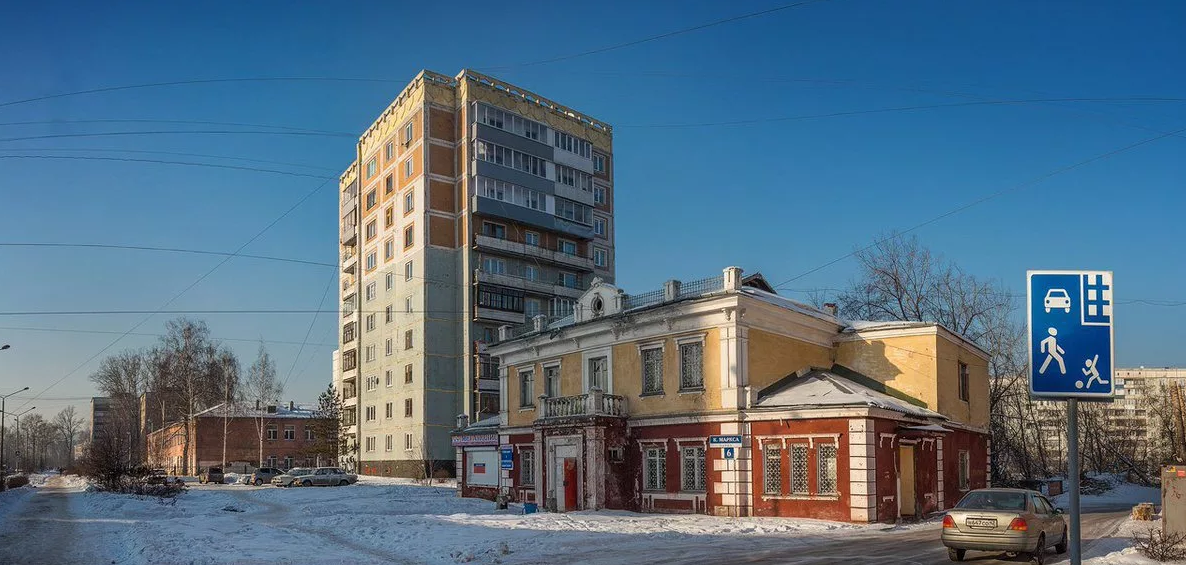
(988, 523)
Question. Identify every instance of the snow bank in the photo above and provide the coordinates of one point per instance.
(1117, 549)
(1122, 495)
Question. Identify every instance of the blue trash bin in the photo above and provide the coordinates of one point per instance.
(530, 508)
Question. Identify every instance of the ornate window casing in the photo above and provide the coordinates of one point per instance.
(772, 469)
(799, 469)
(652, 368)
(693, 475)
(826, 468)
(654, 466)
(691, 363)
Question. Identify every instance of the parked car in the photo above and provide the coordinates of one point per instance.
(289, 478)
(263, 475)
(1010, 520)
(327, 476)
(211, 475)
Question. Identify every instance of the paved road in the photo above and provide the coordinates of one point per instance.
(40, 528)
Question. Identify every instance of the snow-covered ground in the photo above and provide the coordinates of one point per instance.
(1121, 495)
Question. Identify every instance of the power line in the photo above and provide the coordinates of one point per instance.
(166, 250)
(164, 162)
(174, 153)
(984, 199)
(658, 37)
(328, 285)
(190, 122)
(173, 132)
(146, 334)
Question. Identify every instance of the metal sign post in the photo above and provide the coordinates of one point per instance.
(1069, 315)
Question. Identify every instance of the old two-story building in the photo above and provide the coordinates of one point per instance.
(719, 396)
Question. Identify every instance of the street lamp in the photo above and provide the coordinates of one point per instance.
(3, 398)
(5, 346)
(18, 431)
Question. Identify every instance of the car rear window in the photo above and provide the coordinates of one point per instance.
(1009, 501)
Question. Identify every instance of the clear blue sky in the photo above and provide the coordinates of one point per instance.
(777, 197)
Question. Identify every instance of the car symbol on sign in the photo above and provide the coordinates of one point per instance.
(1057, 298)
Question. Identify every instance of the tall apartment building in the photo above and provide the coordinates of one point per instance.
(471, 204)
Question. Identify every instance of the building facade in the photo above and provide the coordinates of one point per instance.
(101, 408)
(617, 407)
(290, 439)
(471, 204)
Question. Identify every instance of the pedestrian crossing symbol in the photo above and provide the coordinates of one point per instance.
(1070, 334)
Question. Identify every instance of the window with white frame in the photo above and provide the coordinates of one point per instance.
(370, 443)
(511, 122)
(692, 472)
(598, 163)
(527, 467)
(389, 410)
(552, 381)
(389, 151)
(654, 468)
(390, 281)
(568, 280)
(388, 348)
(370, 413)
(407, 442)
(389, 314)
(652, 369)
(530, 272)
(691, 365)
(372, 230)
(598, 372)
(289, 433)
(372, 260)
(574, 211)
(511, 193)
(567, 247)
(573, 144)
(370, 353)
(531, 306)
(389, 249)
(963, 380)
(370, 322)
(599, 226)
(526, 388)
(370, 291)
(272, 461)
(599, 195)
(372, 166)
(408, 168)
(408, 271)
(531, 238)
(387, 443)
(494, 265)
(409, 201)
(308, 434)
(799, 469)
(372, 383)
(825, 455)
(562, 307)
(575, 178)
(271, 432)
(965, 469)
(408, 133)
(600, 257)
(507, 157)
(772, 469)
(408, 304)
(387, 382)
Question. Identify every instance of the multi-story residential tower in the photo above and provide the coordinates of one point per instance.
(471, 204)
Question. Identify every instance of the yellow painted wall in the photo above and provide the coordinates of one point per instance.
(628, 377)
(905, 363)
(975, 410)
(772, 357)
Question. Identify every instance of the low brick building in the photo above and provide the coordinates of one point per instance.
(814, 416)
(289, 439)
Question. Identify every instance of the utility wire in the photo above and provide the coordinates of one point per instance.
(146, 334)
(657, 37)
(1036, 180)
(173, 132)
(167, 250)
(173, 153)
(164, 162)
(328, 285)
(190, 122)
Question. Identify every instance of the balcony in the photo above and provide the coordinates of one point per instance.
(349, 260)
(349, 396)
(539, 287)
(348, 333)
(534, 252)
(593, 403)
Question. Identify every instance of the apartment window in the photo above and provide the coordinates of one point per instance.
(370, 353)
(372, 199)
(408, 237)
(531, 238)
(599, 195)
(370, 443)
(408, 339)
(407, 407)
(390, 410)
(387, 442)
(370, 292)
(527, 467)
(372, 230)
(692, 475)
(271, 460)
(567, 247)
(388, 349)
(408, 133)
(389, 184)
(388, 217)
(389, 151)
(491, 229)
(272, 432)
(408, 304)
(372, 383)
(530, 273)
(654, 468)
(562, 307)
(407, 442)
(799, 469)
(488, 335)
(389, 249)
(371, 168)
(531, 306)
(826, 467)
(599, 163)
(511, 193)
(408, 169)
(772, 469)
(526, 388)
(573, 144)
(574, 178)
(691, 366)
(390, 281)
(599, 226)
(963, 376)
(409, 201)
(598, 372)
(372, 261)
(574, 211)
(511, 122)
(370, 322)
(408, 374)
(500, 298)
(600, 257)
(387, 382)
(389, 314)
(965, 468)
(289, 433)
(408, 271)
(308, 434)
(568, 280)
(652, 370)
(552, 381)
(508, 157)
(494, 265)
(370, 413)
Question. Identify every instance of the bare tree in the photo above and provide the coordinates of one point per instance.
(124, 377)
(68, 424)
(263, 388)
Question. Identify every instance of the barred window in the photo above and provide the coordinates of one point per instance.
(652, 370)
(826, 454)
(692, 471)
(799, 469)
(772, 469)
(527, 467)
(655, 469)
(691, 366)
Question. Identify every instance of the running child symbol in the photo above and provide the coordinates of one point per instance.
(1092, 374)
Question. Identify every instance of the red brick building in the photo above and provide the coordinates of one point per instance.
(626, 406)
(289, 439)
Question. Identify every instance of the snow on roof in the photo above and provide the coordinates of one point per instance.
(929, 428)
(787, 303)
(866, 325)
(243, 410)
(819, 388)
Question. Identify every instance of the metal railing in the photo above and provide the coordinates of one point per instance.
(700, 287)
(632, 301)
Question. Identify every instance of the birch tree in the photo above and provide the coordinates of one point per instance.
(262, 388)
(68, 424)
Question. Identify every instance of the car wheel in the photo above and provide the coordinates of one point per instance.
(1061, 547)
(258, 482)
(306, 483)
(343, 483)
(955, 554)
(1039, 554)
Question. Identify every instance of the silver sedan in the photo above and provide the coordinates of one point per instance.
(1009, 520)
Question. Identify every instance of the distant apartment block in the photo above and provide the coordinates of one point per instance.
(471, 204)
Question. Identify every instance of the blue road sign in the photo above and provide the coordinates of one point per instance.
(724, 441)
(1070, 334)
(507, 458)
(730, 452)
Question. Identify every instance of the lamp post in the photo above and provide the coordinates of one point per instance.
(3, 415)
(18, 432)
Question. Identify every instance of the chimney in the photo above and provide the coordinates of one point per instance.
(671, 290)
(830, 308)
(462, 421)
(291, 405)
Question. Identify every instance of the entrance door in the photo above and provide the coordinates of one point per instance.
(570, 483)
(906, 464)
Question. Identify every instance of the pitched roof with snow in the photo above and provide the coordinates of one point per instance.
(244, 410)
(839, 387)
